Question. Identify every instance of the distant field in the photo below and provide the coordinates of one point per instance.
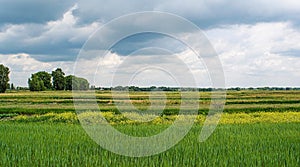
(257, 128)
(236, 102)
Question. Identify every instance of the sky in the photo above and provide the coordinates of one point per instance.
(257, 42)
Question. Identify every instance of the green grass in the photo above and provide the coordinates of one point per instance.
(44, 144)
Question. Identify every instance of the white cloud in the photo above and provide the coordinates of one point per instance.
(143, 70)
(253, 55)
(97, 69)
(23, 62)
(67, 29)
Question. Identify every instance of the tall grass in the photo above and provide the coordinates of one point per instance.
(44, 144)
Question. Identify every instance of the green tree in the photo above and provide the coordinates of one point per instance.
(40, 81)
(69, 82)
(12, 87)
(35, 83)
(58, 77)
(83, 84)
(76, 83)
(46, 78)
(4, 78)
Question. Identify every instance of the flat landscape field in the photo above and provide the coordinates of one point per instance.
(257, 128)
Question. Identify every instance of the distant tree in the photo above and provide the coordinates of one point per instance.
(35, 83)
(22, 88)
(83, 84)
(58, 77)
(120, 88)
(76, 83)
(12, 87)
(133, 88)
(93, 87)
(40, 81)
(4, 78)
(69, 83)
(153, 87)
(46, 78)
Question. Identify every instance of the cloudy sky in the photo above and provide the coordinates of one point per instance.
(258, 42)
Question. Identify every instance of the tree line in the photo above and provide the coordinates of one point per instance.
(57, 80)
(163, 88)
(42, 80)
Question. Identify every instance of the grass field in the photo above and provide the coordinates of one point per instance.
(40, 144)
(258, 128)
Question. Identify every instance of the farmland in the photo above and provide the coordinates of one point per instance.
(29, 103)
(257, 128)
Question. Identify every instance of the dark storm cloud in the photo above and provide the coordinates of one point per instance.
(32, 11)
(204, 13)
(135, 42)
(55, 30)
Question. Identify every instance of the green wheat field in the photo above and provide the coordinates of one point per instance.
(257, 128)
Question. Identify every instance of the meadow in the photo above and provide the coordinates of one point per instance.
(257, 128)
